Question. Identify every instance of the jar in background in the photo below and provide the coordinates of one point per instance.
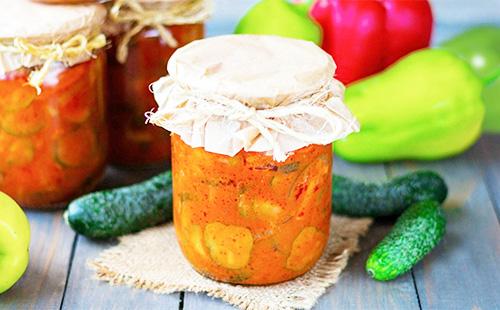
(53, 135)
(253, 119)
(138, 56)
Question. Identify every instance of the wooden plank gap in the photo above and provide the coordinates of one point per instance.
(416, 288)
(181, 301)
(488, 160)
(68, 273)
(390, 174)
(490, 188)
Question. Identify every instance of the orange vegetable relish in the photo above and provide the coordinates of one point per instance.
(53, 145)
(249, 219)
(134, 143)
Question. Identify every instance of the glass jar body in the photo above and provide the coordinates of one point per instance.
(53, 146)
(133, 143)
(248, 219)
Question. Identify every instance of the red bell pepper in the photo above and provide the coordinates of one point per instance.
(364, 37)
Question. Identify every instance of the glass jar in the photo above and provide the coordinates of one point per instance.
(53, 145)
(133, 143)
(253, 120)
(249, 219)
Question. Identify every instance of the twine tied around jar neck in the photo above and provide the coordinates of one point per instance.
(69, 51)
(183, 107)
(139, 17)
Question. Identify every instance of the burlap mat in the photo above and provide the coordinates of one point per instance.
(152, 260)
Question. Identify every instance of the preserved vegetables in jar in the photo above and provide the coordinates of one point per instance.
(133, 64)
(53, 135)
(235, 216)
(253, 119)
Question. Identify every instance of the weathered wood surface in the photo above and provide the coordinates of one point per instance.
(355, 290)
(462, 273)
(84, 292)
(43, 285)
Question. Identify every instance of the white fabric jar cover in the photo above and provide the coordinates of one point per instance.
(128, 18)
(34, 34)
(251, 92)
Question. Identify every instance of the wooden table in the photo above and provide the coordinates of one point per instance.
(463, 272)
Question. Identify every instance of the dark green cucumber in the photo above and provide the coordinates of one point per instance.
(417, 231)
(116, 212)
(359, 199)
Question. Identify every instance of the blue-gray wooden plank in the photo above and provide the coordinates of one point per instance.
(463, 272)
(42, 286)
(85, 292)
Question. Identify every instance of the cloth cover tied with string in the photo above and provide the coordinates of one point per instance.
(254, 93)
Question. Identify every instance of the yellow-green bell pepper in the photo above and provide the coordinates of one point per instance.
(426, 106)
(14, 242)
(480, 47)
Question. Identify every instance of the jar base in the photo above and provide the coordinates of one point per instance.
(249, 284)
(63, 204)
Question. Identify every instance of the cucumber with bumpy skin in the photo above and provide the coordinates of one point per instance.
(357, 199)
(116, 212)
(417, 231)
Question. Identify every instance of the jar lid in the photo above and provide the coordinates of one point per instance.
(34, 34)
(43, 23)
(260, 71)
(252, 92)
(131, 16)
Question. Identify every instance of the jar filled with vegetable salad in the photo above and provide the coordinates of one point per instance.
(53, 136)
(144, 33)
(253, 119)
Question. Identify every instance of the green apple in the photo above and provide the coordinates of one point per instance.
(14, 242)
(280, 17)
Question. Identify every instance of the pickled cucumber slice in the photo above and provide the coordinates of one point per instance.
(78, 108)
(76, 148)
(24, 122)
(312, 176)
(16, 97)
(306, 249)
(20, 152)
(229, 246)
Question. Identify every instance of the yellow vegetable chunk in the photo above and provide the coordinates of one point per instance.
(306, 249)
(268, 211)
(229, 246)
(196, 240)
(20, 152)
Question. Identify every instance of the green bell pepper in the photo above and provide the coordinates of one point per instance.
(14, 242)
(281, 17)
(480, 47)
(426, 106)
